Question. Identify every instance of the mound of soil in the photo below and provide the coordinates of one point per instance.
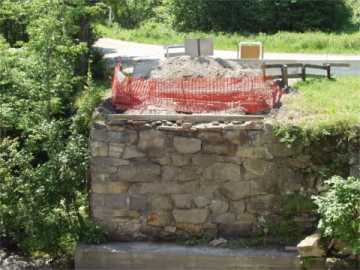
(186, 66)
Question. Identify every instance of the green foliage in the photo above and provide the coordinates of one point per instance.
(339, 211)
(46, 108)
(309, 42)
(259, 15)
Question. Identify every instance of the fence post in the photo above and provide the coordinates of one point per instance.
(284, 75)
(303, 72)
(263, 67)
(328, 71)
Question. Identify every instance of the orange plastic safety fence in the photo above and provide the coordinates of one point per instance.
(249, 93)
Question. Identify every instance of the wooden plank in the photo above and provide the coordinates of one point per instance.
(315, 66)
(192, 118)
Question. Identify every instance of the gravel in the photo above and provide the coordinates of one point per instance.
(186, 66)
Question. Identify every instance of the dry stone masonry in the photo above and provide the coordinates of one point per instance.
(162, 180)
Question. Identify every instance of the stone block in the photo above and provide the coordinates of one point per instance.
(205, 160)
(219, 149)
(164, 188)
(99, 149)
(257, 167)
(159, 218)
(182, 201)
(116, 149)
(223, 172)
(310, 246)
(160, 202)
(226, 218)
(186, 145)
(190, 228)
(116, 200)
(202, 201)
(236, 190)
(239, 137)
(139, 172)
(126, 136)
(138, 202)
(238, 207)
(212, 137)
(132, 152)
(151, 140)
(263, 204)
(181, 160)
(192, 216)
(218, 206)
(110, 187)
(253, 152)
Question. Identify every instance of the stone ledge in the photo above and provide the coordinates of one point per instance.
(152, 256)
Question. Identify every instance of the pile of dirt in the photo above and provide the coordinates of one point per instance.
(186, 66)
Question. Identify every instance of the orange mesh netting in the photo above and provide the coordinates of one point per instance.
(249, 93)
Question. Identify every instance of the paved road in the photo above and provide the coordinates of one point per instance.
(115, 50)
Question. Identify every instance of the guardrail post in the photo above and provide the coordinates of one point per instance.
(285, 75)
(303, 72)
(328, 71)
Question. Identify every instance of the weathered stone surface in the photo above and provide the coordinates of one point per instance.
(190, 228)
(202, 201)
(283, 150)
(236, 190)
(226, 218)
(151, 140)
(213, 137)
(160, 202)
(218, 242)
(262, 204)
(181, 160)
(246, 219)
(110, 187)
(138, 202)
(218, 206)
(238, 207)
(237, 137)
(159, 218)
(116, 200)
(192, 216)
(223, 172)
(253, 152)
(163, 188)
(132, 152)
(205, 160)
(99, 149)
(310, 246)
(186, 145)
(139, 172)
(183, 201)
(257, 167)
(128, 136)
(220, 149)
(116, 149)
(169, 173)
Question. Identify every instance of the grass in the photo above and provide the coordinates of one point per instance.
(322, 102)
(309, 42)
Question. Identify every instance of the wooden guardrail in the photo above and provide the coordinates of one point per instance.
(285, 75)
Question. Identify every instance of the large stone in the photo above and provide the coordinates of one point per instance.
(218, 206)
(110, 187)
(186, 145)
(223, 172)
(192, 216)
(151, 140)
(182, 201)
(128, 136)
(169, 173)
(263, 204)
(257, 167)
(204, 160)
(310, 246)
(132, 152)
(160, 202)
(238, 207)
(163, 188)
(237, 136)
(202, 201)
(253, 152)
(159, 218)
(180, 160)
(236, 190)
(99, 149)
(138, 202)
(116, 200)
(213, 137)
(116, 149)
(220, 149)
(226, 218)
(139, 172)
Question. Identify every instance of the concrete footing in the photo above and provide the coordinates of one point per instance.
(150, 256)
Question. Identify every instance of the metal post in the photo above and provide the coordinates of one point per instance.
(284, 75)
(303, 72)
(328, 71)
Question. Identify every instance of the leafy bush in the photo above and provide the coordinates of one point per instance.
(339, 211)
(259, 15)
(44, 122)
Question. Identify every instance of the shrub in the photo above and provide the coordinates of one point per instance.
(339, 211)
(259, 15)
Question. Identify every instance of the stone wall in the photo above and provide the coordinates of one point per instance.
(162, 179)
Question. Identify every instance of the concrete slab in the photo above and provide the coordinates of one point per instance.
(151, 256)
